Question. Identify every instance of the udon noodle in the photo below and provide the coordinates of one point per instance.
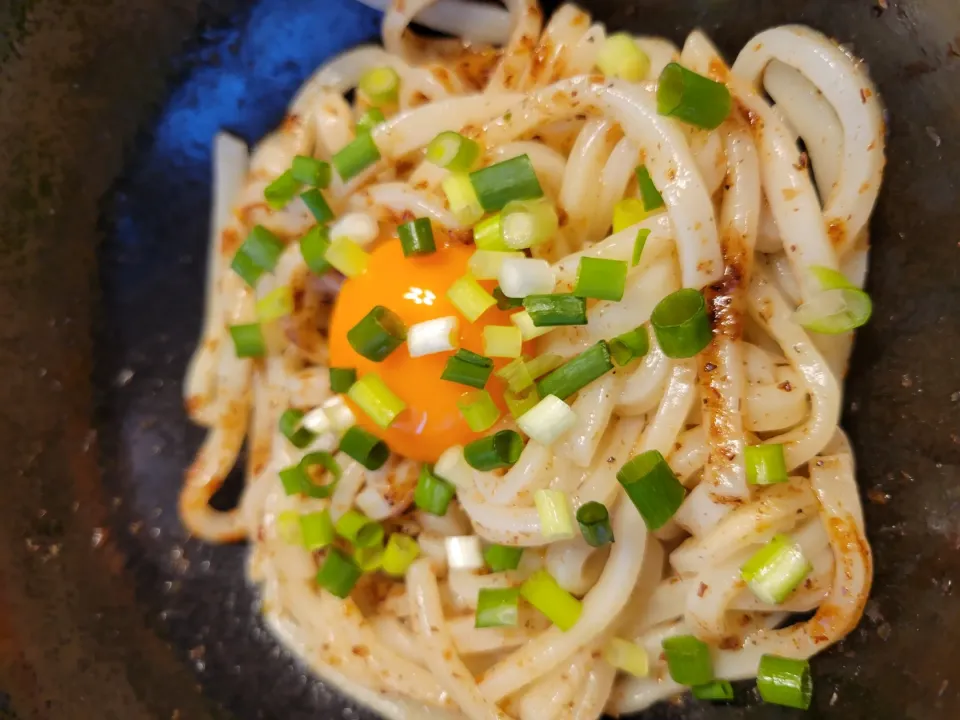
(786, 182)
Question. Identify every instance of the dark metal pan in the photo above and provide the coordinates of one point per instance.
(107, 109)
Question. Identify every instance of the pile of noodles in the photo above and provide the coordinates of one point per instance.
(746, 211)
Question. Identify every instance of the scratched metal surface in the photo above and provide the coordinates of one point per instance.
(107, 109)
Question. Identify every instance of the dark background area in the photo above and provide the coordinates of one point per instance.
(107, 112)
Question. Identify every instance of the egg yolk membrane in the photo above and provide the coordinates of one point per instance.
(415, 289)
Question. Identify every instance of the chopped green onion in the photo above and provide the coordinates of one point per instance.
(507, 303)
(467, 368)
(368, 559)
(462, 199)
(785, 681)
(262, 247)
(502, 557)
(502, 341)
(399, 554)
(341, 379)
(364, 447)
(542, 364)
(453, 151)
(553, 508)
(521, 276)
(528, 331)
(281, 191)
(356, 157)
(290, 427)
(526, 223)
(488, 234)
(498, 607)
(416, 237)
(688, 660)
(629, 346)
(835, 311)
(776, 569)
(379, 402)
(692, 98)
(681, 323)
(288, 527)
(379, 333)
(339, 574)
(556, 309)
(369, 120)
(513, 179)
(621, 57)
(470, 298)
(248, 340)
(244, 266)
(601, 278)
(360, 530)
(310, 171)
(463, 552)
(433, 494)
(516, 375)
(479, 410)
(594, 521)
(548, 420)
(716, 690)
(577, 373)
(313, 248)
(638, 245)
(487, 264)
(317, 205)
(380, 85)
(316, 529)
(766, 464)
(347, 257)
(500, 450)
(627, 656)
(519, 404)
(300, 479)
(275, 304)
(652, 199)
(546, 595)
(628, 212)
(433, 336)
(829, 279)
(652, 488)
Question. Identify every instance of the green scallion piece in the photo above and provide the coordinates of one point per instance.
(453, 151)
(776, 570)
(316, 530)
(692, 98)
(359, 530)
(290, 427)
(262, 247)
(288, 527)
(766, 464)
(244, 266)
(368, 559)
(342, 379)
(364, 447)
(556, 309)
(652, 199)
(281, 191)
(594, 521)
(468, 368)
(519, 404)
(652, 488)
(416, 237)
(629, 346)
(500, 450)
(638, 246)
(380, 85)
(356, 157)
(513, 179)
(601, 278)
(275, 304)
(379, 333)
(546, 595)
(577, 373)
(433, 494)
(478, 410)
(369, 120)
(248, 340)
(501, 557)
(516, 375)
(317, 205)
(338, 574)
(302, 478)
(488, 234)
(470, 297)
(688, 660)
(399, 554)
(527, 223)
(310, 171)
(621, 57)
(720, 690)
(504, 302)
(498, 607)
(835, 311)
(681, 323)
(785, 681)
(313, 248)
(378, 401)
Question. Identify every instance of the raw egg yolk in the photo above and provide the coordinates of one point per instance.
(415, 288)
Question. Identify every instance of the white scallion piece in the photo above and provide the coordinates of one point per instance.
(433, 336)
(452, 467)
(358, 227)
(528, 331)
(340, 414)
(464, 552)
(556, 519)
(627, 656)
(486, 264)
(546, 421)
(520, 277)
(318, 421)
